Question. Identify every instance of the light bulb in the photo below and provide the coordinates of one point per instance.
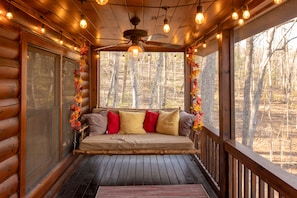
(234, 15)
(204, 45)
(278, 1)
(42, 29)
(199, 16)
(166, 27)
(246, 13)
(102, 2)
(240, 21)
(218, 36)
(9, 15)
(83, 23)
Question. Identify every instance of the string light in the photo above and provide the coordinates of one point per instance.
(102, 2)
(61, 39)
(166, 27)
(9, 14)
(83, 22)
(42, 29)
(277, 1)
(204, 44)
(240, 21)
(199, 19)
(246, 13)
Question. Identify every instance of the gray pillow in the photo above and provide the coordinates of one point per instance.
(97, 123)
(185, 123)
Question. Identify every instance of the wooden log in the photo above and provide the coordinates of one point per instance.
(8, 168)
(85, 101)
(8, 148)
(85, 84)
(84, 76)
(9, 88)
(8, 48)
(9, 108)
(85, 109)
(85, 93)
(9, 33)
(9, 187)
(9, 69)
(9, 127)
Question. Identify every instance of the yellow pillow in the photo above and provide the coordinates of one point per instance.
(131, 122)
(168, 122)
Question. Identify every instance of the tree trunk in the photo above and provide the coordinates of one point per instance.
(207, 87)
(134, 84)
(116, 80)
(156, 79)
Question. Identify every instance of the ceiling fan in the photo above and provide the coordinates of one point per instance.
(138, 37)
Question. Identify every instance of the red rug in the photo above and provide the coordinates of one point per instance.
(164, 191)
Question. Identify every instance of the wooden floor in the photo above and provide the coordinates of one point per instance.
(123, 170)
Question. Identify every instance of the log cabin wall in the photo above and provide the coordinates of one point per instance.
(9, 111)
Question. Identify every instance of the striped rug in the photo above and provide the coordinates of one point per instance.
(154, 191)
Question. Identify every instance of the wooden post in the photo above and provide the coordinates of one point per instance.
(225, 104)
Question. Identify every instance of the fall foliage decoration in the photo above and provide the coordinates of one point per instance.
(76, 106)
(196, 100)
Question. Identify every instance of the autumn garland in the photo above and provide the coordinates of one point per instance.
(76, 107)
(196, 100)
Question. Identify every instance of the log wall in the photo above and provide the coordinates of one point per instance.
(9, 111)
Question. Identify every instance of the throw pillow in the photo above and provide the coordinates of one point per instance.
(185, 123)
(168, 122)
(97, 123)
(113, 125)
(150, 121)
(131, 122)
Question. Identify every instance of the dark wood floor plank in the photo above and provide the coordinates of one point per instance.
(130, 179)
(105, 178)
(116, 171)
(170, 170)
(162, 169)
(121, 181)
(181, 178)
(186, 170)
(93, 187)
(155, 170)
(139, 170)
(147, 171)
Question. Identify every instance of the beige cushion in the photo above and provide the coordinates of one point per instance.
(97, 122)
(168, 122)
(131, 122)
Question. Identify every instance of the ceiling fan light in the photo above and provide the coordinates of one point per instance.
(135, 50)
(83, 22)
(199, 15)
(102, 2)
(166, 27)
(240, 22)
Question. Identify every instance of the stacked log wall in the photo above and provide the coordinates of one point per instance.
(9, 111)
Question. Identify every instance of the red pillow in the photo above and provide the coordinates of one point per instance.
(150, 121)
(113, 125)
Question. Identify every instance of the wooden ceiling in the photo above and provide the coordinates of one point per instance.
(107, 23)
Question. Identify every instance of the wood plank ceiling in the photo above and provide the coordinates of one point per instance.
(107, 23)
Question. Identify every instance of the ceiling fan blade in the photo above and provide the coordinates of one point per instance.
(154, 37)
(168, 45)
(111, 46)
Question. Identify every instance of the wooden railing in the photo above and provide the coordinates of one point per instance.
(249, 174)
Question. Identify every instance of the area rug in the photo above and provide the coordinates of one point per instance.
(160, 191)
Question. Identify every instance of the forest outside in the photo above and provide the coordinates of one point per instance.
(154, 80)
(266, 94)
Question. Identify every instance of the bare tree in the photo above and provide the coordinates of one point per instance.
(133, 76)
(252, 97)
